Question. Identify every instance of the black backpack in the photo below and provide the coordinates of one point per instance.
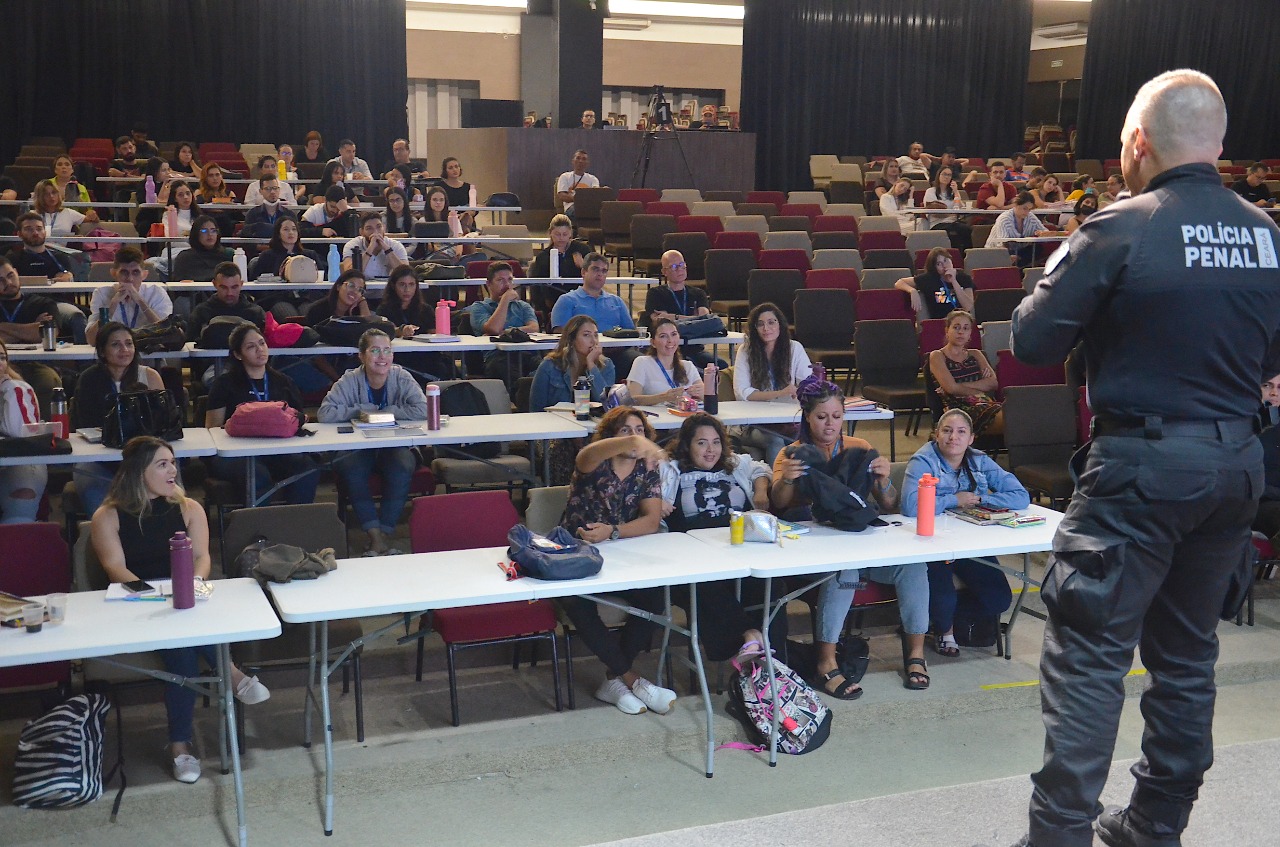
(216, 334)
(839, 488)
(460, 400)
(346, 331)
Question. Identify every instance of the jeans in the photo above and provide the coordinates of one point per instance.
(92, 480)
(985, 590)
(836, 597)
(18, 478)
(396, 466)
(179, 702)
(268, 470)
(618, 650)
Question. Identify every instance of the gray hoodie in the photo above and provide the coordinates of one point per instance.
(350, 395)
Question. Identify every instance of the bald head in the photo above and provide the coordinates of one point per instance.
(674, 270)
(1183, 117)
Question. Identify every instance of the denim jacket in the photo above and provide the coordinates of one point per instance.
(996, 486)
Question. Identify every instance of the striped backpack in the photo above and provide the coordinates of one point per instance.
(59, 760)
(805, 721)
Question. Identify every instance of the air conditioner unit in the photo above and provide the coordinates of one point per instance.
(1075, 29)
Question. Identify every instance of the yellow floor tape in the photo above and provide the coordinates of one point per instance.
(998, 685)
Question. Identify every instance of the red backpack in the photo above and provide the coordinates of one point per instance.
(264, 419)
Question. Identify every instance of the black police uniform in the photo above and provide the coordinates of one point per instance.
(1176, 294)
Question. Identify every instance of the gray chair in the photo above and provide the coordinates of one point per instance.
(794, 197)
(789, 240)
(856, 210)
(927, 240)
(881, 278)
(1040, 435)
(546, 507)
(995, 337)
(719, 208)
(727, 272)
(877, 223)
(312, 526)
(502, 471)
(775, 286)
(889, 364)
(977, 258)
(647, 232)
(1030, 277)
(758, 224)
(846, 258)
(681, 195)
(824, 320)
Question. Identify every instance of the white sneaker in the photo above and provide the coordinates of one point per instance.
(186, 768)
(251, 692)
(655, 697)
(615, 691)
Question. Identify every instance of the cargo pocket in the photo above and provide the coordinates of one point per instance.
(1084, 581)
(1175, 484)
(1240, 583)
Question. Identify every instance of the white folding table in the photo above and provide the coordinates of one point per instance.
(826, 551)
(195, 441)
(419, 582)
(237, 611)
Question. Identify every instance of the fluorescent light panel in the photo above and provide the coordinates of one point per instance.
(669, 9)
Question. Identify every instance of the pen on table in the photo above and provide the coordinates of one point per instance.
(145, 599)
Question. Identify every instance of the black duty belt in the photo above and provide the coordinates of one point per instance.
(1156, 428)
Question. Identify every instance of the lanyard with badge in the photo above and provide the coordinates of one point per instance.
(263, 395)
(665, 375)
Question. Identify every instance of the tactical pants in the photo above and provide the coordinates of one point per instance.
(1151, 541)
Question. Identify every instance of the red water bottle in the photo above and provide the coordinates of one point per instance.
(433, 406)
(926, 500)
(58, 412)
(182, 569)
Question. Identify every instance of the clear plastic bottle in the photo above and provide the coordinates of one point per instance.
(582, 398)
(242, 262)
(335, 263)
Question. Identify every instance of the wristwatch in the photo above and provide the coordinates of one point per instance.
(615, 535)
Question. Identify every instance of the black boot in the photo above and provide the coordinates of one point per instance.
(1119, 827)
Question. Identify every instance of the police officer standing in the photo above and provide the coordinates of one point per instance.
(1176, 296)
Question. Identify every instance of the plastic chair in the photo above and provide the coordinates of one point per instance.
(312, 526)
(738, 241)
(995, 337)
(1039, 433)
(993, 279)
(615, 226)
(836, 223)
(1030, 277)
(824, 326)
(845, 279)
(877, 223)
(889, 362)
(816, 198)
(546, 507)
(663, 207)
(880, 240)
(777, 198)
(718, 208)
(883, 305)
(646, 241)
(834, 241)
(640, 195)
(466, 521)
(1010, 372)
(776, 286)
(886, 259)
(687, 196)
(766, 210)
(812, 211)
(784, 253)
(882, 279)
(838, 258)
(976, 258)
(758, 224)
(784, 223)
(502, 470)
(36, 561)
(927, 240)
(727, 273)
(709, 224)
(997, 304)
(693, 246)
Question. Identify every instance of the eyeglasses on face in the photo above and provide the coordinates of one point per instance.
(677, 266)
(379, 352)
(353, 285)
(766, 322)
(207, 230)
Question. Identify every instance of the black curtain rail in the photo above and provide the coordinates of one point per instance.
(207, 70)
(871, 76)
(1131, 41)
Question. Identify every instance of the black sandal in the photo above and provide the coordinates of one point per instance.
(915, 680)
(849, 690)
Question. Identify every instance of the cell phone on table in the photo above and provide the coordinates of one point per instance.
(346, 428)
(139, 586)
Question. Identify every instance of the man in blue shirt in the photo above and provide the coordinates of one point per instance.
(502, 309)
(609, 311)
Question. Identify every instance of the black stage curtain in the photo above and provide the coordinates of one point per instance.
(1131, 41)
(868, 77)
(207, 70)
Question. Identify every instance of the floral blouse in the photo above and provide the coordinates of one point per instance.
(601, 497)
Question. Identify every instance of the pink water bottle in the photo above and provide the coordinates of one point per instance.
(149, 189)
(819, 370)
(171, 222)
(444, 316)
(182, 569)
(433, 406)
(926, 500)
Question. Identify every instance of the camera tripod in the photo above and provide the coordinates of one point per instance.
(660, 116)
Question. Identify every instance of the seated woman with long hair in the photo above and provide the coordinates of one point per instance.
(662, 375)
(118, 370)
(578, 353)
(47, 200)
(822, 426)
(398, 217)
(966, 477)
(21, 486)
(964, 378)
(204, 252)
(250, 378)
(403, 305)
(144, 508)
(334, 174)
(214, 191)
(703, 480)
(64, 175)
(768, 366)
(616, 492)
(377, 385)
(185, 161)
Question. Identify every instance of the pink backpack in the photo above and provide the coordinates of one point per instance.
(101, 251)
(263, 419)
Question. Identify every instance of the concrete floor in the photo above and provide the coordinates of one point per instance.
(517, 773)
